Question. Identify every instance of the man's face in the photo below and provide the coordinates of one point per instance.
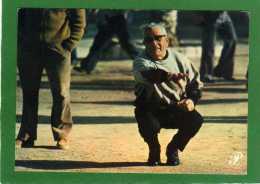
(156, 43)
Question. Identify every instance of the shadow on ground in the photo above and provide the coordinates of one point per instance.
(59, 165)
(129, 119)
(94, 85)
(131, 103)
(225, 90)
(98, 84)
(220, 82)
(46, 147)
(222, 101)
(122, 102)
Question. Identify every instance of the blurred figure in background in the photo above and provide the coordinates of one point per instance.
(220, 22)
(109, 23)
(169, 19)
(74, 57)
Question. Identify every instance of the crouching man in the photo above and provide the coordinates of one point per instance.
(167, 90)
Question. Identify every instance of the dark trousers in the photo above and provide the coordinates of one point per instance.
(224, 26)
(31, 63)
(116, 25)
(151, 121)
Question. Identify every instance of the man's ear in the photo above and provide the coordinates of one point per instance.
(167, 41)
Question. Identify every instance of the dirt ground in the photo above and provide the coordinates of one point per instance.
(105, 136)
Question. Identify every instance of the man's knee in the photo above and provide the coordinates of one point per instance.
(195, 123)
(148, 125)
(198, 118)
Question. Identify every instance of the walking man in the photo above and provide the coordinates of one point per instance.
(109, 23)
(46, 38)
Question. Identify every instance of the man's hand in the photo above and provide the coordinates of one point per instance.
(179, 79)
(176, 77)
(186, 104)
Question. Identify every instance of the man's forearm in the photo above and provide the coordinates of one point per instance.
(155, 75)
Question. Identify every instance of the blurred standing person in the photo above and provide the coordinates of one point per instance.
(220, 22)
(169, 18)
(109, 23)
(46, 38)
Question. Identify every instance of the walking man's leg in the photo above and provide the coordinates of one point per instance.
(101, 39)
(225, 67)
(30, 70)
(124, 37)
(59, 73)
(208, 51)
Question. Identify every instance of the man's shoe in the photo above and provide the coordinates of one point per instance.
(154, 157)
(18, 143)
(173, 159)
(153, 161)
(81, 70)
(229, 79)
(220, 74)
(24, 144)
(78, 69)
(172, 154)
(217, 72)
(207, 80)
(63, 144)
